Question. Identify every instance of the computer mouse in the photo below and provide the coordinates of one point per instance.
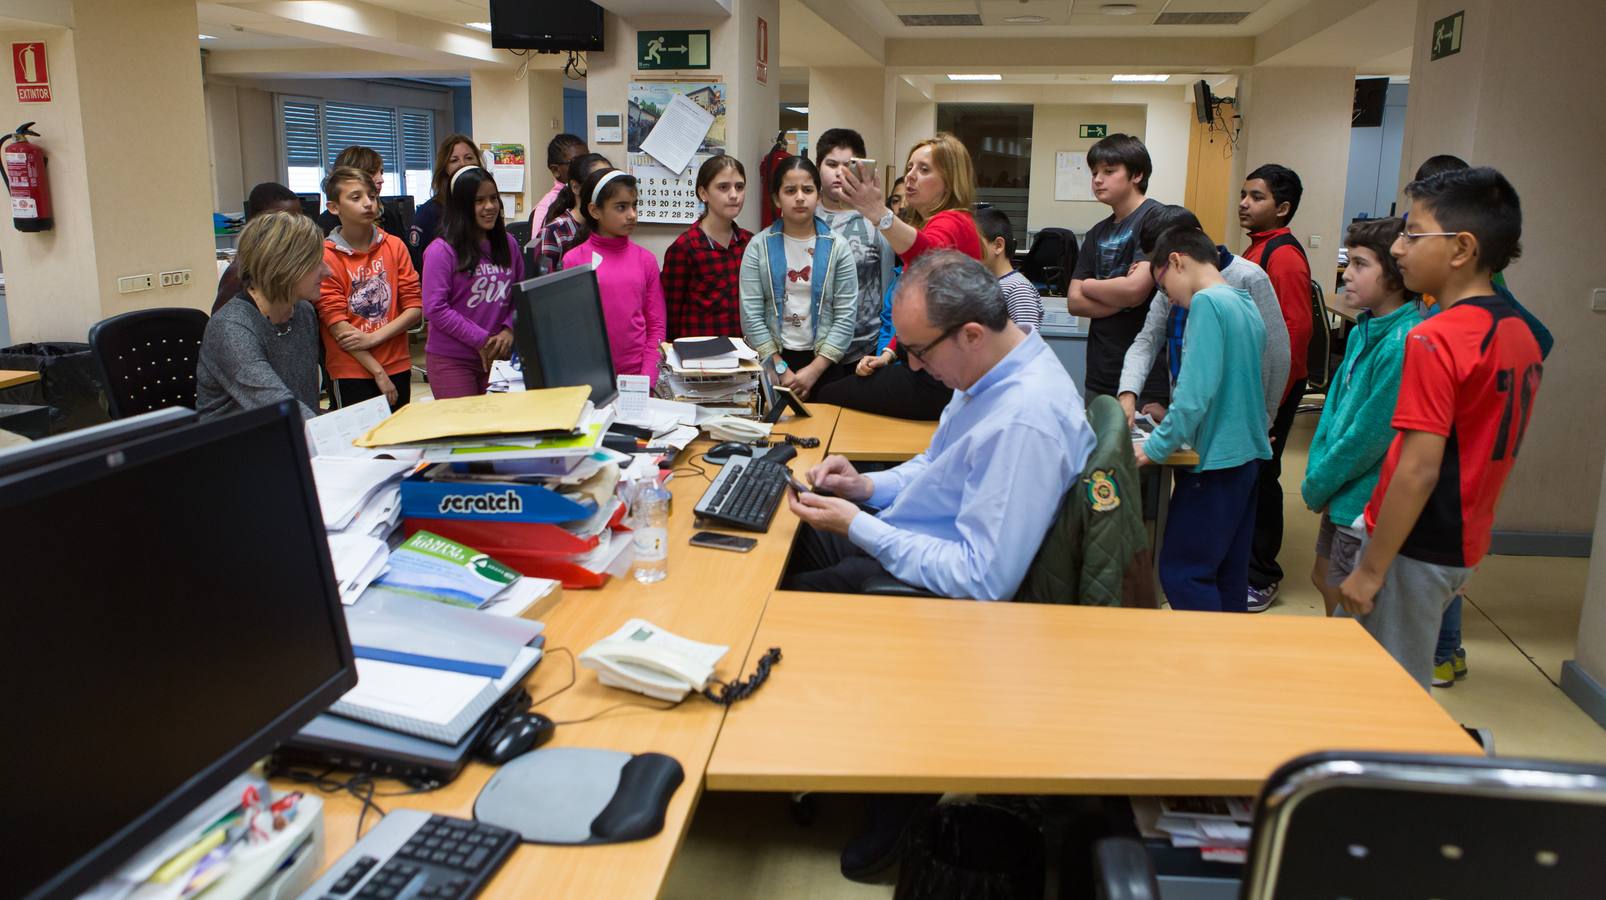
(725, 451)
(518, 735)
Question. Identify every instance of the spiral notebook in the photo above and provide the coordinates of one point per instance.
(428, 703)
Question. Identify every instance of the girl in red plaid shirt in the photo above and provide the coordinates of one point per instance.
(702, 266)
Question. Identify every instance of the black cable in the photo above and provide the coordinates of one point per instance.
(608, 709)
(569, 653)
(693, 468)
(735, 692)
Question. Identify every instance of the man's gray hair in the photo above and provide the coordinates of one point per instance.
(958, 289)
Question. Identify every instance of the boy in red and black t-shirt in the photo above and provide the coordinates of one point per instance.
(1266, 205)
(1470, 380)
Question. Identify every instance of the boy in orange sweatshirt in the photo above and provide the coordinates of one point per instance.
(370, 299)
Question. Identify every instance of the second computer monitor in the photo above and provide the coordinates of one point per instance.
(561, 335)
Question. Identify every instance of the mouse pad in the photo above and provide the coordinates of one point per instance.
(574, 795)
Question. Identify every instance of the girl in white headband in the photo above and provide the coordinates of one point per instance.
(627, 273)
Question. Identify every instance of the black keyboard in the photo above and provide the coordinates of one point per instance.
(415, 854)
(745, 493)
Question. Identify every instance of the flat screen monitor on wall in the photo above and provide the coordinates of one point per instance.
(540, 25)
(1203, 102)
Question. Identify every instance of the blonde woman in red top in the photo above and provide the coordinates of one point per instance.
(939, 190)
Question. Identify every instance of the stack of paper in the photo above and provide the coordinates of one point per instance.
(564, 448)
(428, 703)
(416, 632)
(358, 560)
(710, 354)
(505, 376)
(348, 484)
(1218, 826)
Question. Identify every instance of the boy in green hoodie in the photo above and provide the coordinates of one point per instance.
(1355, 429)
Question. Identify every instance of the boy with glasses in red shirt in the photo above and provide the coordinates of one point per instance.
(1467, 390)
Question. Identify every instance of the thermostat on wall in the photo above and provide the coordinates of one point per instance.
(610, 128)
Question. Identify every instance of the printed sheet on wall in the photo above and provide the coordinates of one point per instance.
(667, 195)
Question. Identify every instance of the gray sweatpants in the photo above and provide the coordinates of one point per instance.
(1405, 616)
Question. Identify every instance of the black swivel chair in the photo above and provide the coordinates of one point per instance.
(1051, 260)
(147, 358)
(1408, 825)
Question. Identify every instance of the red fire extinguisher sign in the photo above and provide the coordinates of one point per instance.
(33, 77)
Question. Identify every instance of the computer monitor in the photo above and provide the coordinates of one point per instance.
(561, 335)
(397, 217)
(171, 615)
(85, 440)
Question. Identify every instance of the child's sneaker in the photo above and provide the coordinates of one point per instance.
(1444, 674)
(1260, 598)
(1459, 663)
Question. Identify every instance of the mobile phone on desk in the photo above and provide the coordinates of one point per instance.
(719, 541)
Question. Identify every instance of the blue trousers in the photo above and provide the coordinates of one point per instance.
(1210, 525)
(1449, 633)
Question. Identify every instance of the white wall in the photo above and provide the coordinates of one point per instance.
(1054, 128)
(1165, 133)
(1300, 118)
(1374, 160)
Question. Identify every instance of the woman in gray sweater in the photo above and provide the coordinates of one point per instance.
(262, 346)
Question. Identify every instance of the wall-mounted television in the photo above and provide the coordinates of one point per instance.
(1204, 103)
(542, 25)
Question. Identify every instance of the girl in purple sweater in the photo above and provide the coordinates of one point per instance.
(468, 288)
(627, 273)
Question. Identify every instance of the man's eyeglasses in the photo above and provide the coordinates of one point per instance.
(920, 352)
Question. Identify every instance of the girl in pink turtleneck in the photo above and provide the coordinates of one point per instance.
(627, 273)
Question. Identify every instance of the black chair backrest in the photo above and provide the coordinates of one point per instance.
(147, 358)
(1407, 825)
(1051, 259)
(520, 231)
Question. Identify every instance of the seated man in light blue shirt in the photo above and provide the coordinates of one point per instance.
(965, 518)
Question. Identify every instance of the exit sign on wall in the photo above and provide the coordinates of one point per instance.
(1093, 131)
(1447, 35)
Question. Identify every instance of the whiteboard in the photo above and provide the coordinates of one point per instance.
(1072, 179)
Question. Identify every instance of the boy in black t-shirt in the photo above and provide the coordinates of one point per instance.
(1112, 284)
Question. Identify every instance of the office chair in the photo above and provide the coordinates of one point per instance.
(147, 358)
(1408, 825)
(1063, 569)
(1051, 260)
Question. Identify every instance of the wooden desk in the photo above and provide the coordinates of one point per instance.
(872, 438)
(898, 694)
(14, 377)
(710, 595)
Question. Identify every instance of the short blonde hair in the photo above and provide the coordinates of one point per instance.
(277, 250)
(952, 161)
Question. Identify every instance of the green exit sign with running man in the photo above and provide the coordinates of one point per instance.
(671, 50)
(1093, 131)
(1447, 35)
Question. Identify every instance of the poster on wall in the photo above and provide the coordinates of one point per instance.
(1072, 179)
(506, 164)
(667, 196)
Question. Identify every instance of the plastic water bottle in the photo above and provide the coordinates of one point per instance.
(651, 536)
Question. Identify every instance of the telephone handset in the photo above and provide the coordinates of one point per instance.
(645, 658)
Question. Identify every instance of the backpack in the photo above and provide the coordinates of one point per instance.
(1318, 355)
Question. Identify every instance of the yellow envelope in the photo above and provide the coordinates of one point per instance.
(516, 412)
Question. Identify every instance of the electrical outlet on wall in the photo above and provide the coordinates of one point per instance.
(133, 284)
(1597, 300)
(1315, 242)
(175, 278)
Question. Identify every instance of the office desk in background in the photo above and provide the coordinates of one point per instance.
(871, 438)
(710, 595)
(14, 377)
(900, 694)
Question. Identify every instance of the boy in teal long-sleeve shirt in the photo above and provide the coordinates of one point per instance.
(1356, 428)
(1218, 406)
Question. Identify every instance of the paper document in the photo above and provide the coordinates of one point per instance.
(332, 433)
(552, 409)
(1072, 178)
(346, 483)
(358, 560)
(633, 394)
(679, 132)
(428, 703)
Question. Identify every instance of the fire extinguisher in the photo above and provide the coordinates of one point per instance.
(26, 179)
